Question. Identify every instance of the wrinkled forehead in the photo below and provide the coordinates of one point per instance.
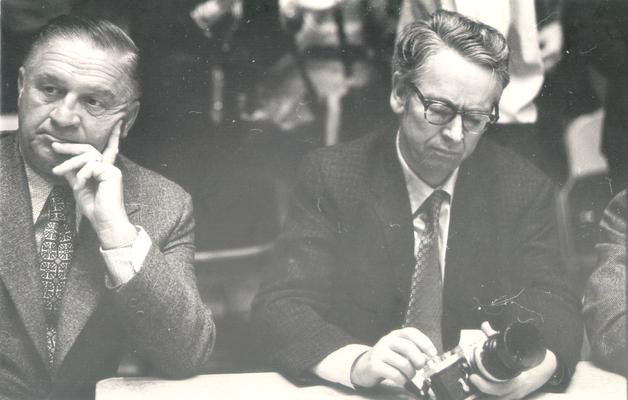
(79, 62)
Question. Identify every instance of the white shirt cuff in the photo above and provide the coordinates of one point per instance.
(124, 262)
(336, 367)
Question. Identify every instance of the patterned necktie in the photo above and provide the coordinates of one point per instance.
(425, 307)
(55, 257)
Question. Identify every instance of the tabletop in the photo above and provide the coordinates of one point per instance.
(589, 382)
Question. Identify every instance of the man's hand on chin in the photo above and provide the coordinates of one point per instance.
(97, 187)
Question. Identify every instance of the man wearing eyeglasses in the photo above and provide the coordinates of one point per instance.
(96, 252)
(396, 242)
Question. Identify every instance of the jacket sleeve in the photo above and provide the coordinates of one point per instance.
(166, 321)
(288, 315)
(545, 291)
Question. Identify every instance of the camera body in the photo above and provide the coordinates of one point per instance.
(498, 358)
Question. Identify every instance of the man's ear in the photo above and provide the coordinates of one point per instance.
(130, 117)
(20, 82)
(397, 94)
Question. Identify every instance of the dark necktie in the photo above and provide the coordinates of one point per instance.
(425, 307)
(55, 257)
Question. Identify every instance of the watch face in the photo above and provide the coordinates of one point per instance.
(559, 374)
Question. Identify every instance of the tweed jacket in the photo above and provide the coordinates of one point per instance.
(158, 315)
(605, 295)
(345, 259)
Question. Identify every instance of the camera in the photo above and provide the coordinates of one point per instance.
(498, 358)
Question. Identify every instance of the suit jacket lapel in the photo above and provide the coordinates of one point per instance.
(392, 206)
(469, 218)
(84, 288)
(18, 252)
(86, 282)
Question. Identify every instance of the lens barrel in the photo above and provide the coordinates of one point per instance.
(505, 355)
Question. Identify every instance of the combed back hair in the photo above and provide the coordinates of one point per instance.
(100, 33)
(473, 40)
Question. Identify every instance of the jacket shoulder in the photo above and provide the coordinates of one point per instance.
(509, 168)
(149, 185)
(348, 158)
(8, 138)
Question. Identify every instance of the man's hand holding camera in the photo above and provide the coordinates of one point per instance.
(521, 385)
(396, 356)
(400, 354)
(98, 190)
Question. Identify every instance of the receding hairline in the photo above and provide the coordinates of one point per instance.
(48, 43)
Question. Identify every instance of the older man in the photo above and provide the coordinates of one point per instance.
(397, 242)
(96, 254)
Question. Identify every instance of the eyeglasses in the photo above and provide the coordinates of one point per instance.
(438, 112)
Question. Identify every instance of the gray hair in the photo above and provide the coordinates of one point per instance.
(101, 33)
(475, 41)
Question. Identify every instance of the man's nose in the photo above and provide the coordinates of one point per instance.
(65, 112)
(454, 130)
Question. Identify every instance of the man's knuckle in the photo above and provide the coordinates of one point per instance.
(419, 361)
(115, 171)
(399, 377)
(408, 368)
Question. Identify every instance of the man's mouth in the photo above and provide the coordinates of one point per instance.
(54, 139)
(445, 153)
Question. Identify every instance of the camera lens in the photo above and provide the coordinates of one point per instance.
(505, 355)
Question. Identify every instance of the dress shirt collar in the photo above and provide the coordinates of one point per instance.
(39, 189)
(418, 189)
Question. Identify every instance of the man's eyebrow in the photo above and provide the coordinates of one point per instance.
(450, 103)
(441, 100)
(101, 93)
(96, 91)
(48, 77)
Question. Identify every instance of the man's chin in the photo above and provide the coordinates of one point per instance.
(435, 172)
(44, 165)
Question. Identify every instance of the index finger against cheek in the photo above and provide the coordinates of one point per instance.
(111, 150)
(423, 342)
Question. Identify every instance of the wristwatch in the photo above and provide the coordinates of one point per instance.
(558, 381)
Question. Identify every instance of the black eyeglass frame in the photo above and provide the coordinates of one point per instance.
(493, 116)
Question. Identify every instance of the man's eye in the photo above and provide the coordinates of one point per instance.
(50, 90)
(441, 109)
(477, 119)
(94, 105)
